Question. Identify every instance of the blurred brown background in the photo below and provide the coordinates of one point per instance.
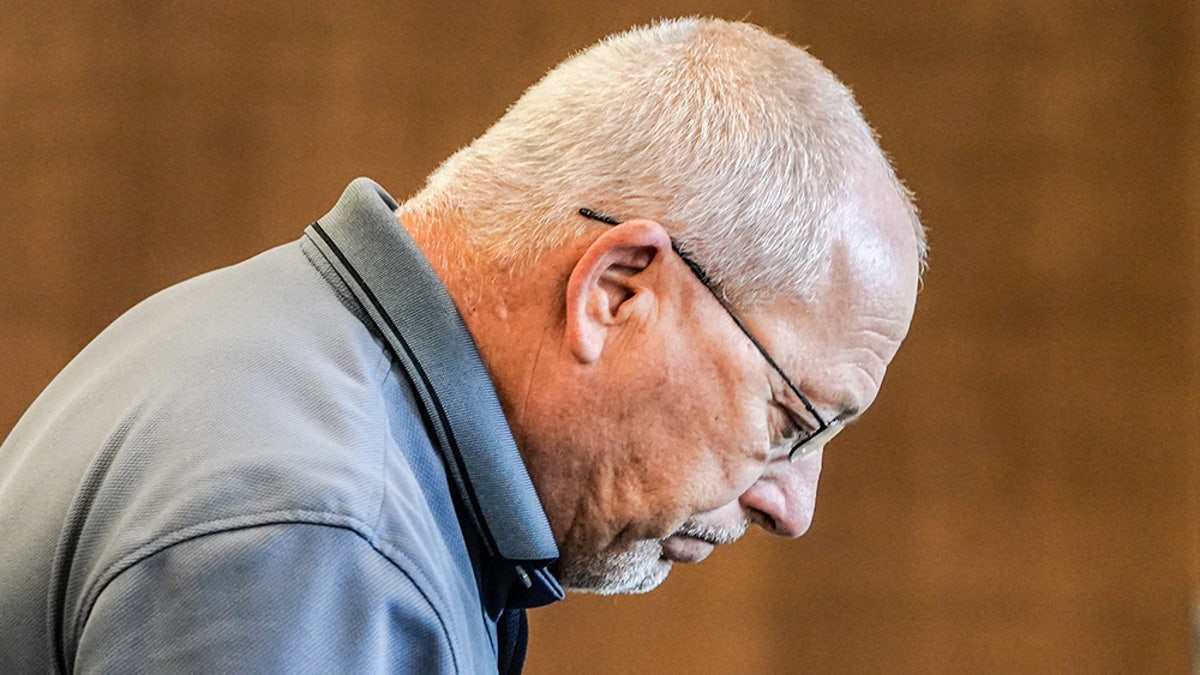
(1024, 497)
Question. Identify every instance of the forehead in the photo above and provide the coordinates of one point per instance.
(841, 343)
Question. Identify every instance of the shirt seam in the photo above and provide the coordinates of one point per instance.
(397, 558)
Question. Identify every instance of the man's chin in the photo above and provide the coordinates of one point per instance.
(647, 563)
(641, 569)
(644, 584)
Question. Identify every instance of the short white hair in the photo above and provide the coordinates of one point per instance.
(741, 144)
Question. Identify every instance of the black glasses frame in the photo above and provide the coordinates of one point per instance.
(803, 445)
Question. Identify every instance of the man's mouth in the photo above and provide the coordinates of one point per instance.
(694, 541)
(686, 549)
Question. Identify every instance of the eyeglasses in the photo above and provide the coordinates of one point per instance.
(803, 444)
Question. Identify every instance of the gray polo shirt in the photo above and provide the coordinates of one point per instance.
(295, 464)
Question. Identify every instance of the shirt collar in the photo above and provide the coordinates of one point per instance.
(402, 295)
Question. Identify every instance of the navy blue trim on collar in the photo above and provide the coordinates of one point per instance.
(402, 295)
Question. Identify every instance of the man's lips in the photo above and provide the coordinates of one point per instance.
(682, 548)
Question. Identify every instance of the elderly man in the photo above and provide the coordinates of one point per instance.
(607, 336)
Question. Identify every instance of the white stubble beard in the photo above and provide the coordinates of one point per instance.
(639, 569)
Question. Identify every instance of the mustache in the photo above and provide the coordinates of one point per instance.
(712, 534)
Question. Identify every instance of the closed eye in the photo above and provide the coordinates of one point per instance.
(791, 432)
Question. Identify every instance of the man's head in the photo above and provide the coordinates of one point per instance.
(730, 168)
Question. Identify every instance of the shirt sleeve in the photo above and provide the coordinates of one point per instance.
(285, 598)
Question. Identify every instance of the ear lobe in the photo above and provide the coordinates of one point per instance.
(621, 265)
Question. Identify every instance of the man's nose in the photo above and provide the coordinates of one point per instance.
(782, 500)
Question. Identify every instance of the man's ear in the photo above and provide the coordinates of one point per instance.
(622, 264)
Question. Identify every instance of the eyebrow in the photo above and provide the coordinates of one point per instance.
(849, 412)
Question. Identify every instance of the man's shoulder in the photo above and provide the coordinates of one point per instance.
(249, 395)
(239, 382)
(251, 391)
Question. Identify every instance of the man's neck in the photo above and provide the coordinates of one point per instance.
(507, 313)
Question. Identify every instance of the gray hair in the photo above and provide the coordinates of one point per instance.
(741, 144)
